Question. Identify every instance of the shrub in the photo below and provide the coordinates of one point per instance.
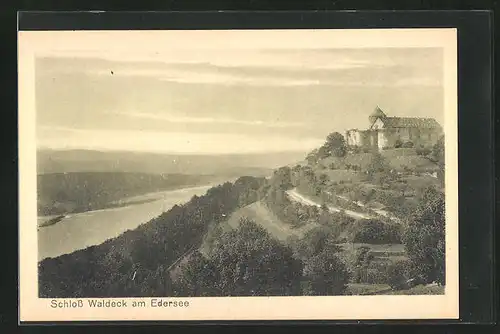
(249, 262)
(376, 232)
(424, 237)
(355, 149)
(399, 275)
(326, 273)
(407, 144)
(398, 143)
(423, 151)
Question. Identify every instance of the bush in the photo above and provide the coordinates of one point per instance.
(424, 237)
(399, 275)
(249, 262)
(367, 150)
(423, 151)
(398, 143)
(326, 273)
(355, 149)
(407, 144)
(376, 232)
(377, 275)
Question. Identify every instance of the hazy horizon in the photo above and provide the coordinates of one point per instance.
(229, 99)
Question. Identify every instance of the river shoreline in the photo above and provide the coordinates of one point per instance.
(81, 230)
(46, 221)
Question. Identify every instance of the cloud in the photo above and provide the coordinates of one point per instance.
(218, 79)
(168, 142)
(212, 76)
(168, 117)
(279, 77)
(267, 67)
(293, 60)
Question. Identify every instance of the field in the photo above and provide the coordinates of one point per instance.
(383, 254)
(420, 290)
(421, 182)
(415, 163)
(341, 175)
(396, 152)
(365, 289)
(398, 159)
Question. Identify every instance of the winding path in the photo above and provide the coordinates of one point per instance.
(296, 196)
(378, 211)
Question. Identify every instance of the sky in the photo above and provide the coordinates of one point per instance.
(221, 96)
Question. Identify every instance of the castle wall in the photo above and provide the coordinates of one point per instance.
(429, 137)
(353, 138)
(387, 138)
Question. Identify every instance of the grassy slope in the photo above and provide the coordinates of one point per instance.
(268, 220)
(363, 289)
(420, 290)
(397, 159)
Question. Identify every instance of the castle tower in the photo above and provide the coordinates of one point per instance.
(377, 113)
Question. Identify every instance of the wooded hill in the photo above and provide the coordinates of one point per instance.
(62, 193)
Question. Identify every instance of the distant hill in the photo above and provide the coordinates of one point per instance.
(60, 193)
(61, 161)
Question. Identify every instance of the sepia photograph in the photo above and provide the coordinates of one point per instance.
(259, 174)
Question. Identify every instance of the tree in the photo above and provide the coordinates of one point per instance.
(438, 151)
(198, 277)
(312, 157)
(424, 237)
(282, 178)
(364, 257)
(335, 145)
(316, 240)
(377, 164)
(326, 273)
(373, 231)
(399, 274)
(251, 263)
(323, 179)
(438, 154)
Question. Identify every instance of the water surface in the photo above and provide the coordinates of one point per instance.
(78, 231)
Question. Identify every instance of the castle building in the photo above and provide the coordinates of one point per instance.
(386, 132)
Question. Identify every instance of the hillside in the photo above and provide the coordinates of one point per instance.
(137, 262)
(231, 165)
(399, 159)
(61, 193)
(343, 222)
(260, 214)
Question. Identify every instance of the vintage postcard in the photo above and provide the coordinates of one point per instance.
(238, 175)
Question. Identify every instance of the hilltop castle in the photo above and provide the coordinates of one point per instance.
(387, 132)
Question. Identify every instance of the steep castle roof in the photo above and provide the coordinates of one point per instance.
(377, 113)
(411, 122)
(403, 122)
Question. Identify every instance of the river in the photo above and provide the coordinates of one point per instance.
(81, 230)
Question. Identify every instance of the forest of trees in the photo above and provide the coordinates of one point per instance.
(61, 193)
(247, 261)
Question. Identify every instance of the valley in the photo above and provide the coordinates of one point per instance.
(353, 212)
